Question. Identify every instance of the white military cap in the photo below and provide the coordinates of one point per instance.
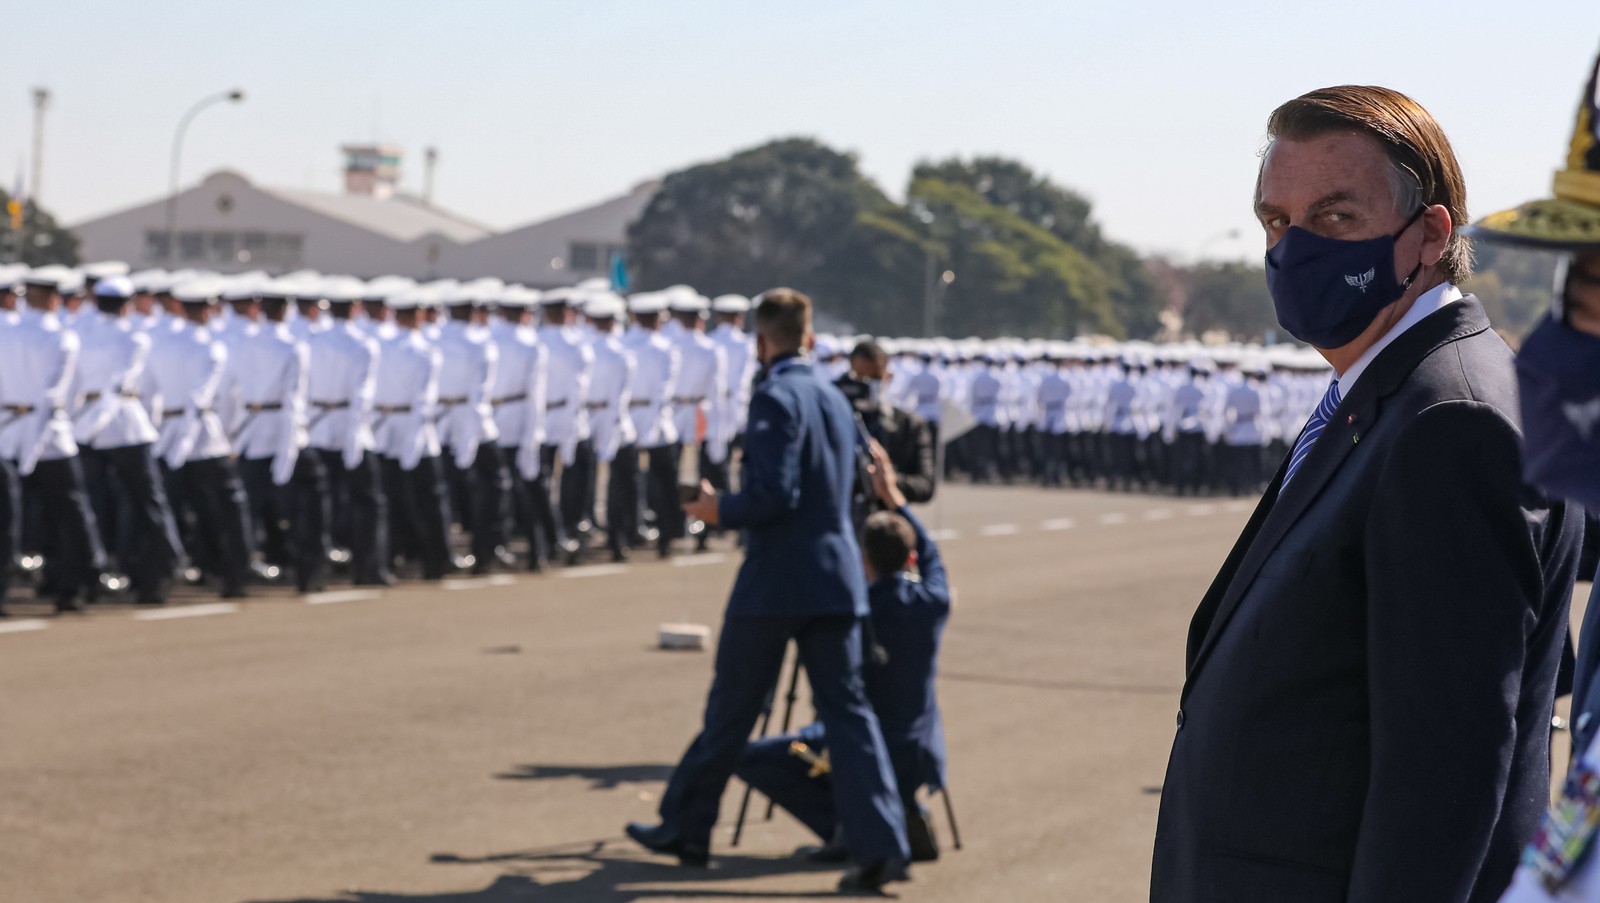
(52, 276)
(343, 289)
(690, 302)
(730, 304)
(149, 281)
(240, 288)
(517, 296)
(412, 298)
(382, 287)
(114, 287)
(605, 306)
(71, 284)
(105, 269)
(594, 284)
(197, 291)
(646, 303)
(11, 276)
(557, 297)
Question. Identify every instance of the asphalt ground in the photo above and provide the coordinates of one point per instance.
(485, 740)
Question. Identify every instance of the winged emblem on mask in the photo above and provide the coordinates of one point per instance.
(1583, 416)
(1363, 280)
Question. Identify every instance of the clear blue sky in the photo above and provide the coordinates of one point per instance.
(1153, 109)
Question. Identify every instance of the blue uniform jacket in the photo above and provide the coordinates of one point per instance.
(801, 557)
(908, 620)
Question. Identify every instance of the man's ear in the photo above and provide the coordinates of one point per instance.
(809, 342)
(911, 562)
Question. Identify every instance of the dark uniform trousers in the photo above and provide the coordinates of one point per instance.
(68, 536)
(10, 522)
(1188, 462)
(480, 499)
(527, 499)
(577, 486)
(419, 510)
(297, 512)
(546, 517)
(622, 499)
(359, 514)
(750, 653)
(221, 543)
(661, 493)
(130, 506)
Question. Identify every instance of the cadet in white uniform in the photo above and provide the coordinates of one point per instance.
(185, 375)
(655, 382)
(342, 378)
(702, 386)
(518, 399)
(568, 362)
(1054, 395)
(38, 455)
(288, 490)
(479, 482)
(114, 436)
(739, 348)
(610, 426)
(403, 404)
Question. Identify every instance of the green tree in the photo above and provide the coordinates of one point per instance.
(1515, 285)
(41, 240)
(1229, 296)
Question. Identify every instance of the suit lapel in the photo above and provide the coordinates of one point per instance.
(1282, 508)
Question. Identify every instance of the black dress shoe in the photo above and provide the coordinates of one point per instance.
(831, 854)
(660, 839)
(870, 879)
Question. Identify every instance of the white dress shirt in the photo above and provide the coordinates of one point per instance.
(702, 386)
(342, 377)
(267, 385)
(739, 351)
(610, 391)
(38, 357)
(566, 387)
(655, 381)
(465, 381)
(111, 363)
(185, 374)
(404, 399)
(518, 394)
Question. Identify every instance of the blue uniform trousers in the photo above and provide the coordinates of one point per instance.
(750, 654)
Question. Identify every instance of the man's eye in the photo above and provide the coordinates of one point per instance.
(1334, 216)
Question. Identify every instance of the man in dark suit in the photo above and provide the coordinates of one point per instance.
(909, 612)
(904, 435)
(802, 580)
(1371, 675)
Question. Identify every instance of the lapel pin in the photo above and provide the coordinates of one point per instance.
(1350, 419)
(1355, 439)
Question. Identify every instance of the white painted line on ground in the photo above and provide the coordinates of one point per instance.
(1202, 510)
(478, 582)
(944, 535)
(1113, 519)
(27, 626)
(694, 561)
(1158, 514)
(502, 580)
(1059, 523)
(594, 570)
(187, 611)
(346, 595)
(998, 530)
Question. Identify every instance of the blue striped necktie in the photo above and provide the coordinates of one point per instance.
(1314, 427)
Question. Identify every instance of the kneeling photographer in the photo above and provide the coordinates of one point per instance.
(904, 436)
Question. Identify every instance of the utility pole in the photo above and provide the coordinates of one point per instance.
(430, 157)
(41, 102)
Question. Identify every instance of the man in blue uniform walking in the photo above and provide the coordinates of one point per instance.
(801, 579)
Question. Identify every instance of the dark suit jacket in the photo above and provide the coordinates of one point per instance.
(1371, 676)
(801, 557)
(908, 618)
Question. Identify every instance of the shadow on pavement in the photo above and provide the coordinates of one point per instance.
(601, 777)
(607, 876)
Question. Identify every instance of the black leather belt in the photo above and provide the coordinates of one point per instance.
(178, 412)
(330, 405)
(688, 399)
(452, 402)
(92, 397)
(596, 405)
(263, 407)
(640, 403)
(555, 405)
(392, 408)
(18, 410)
(509, 399)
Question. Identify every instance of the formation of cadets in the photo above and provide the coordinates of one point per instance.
(231, 429)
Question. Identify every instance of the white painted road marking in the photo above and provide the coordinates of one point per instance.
(1059, 523)
(347, 595)
(27, 626)
(1113, 519)
(478, 582)
(187, 611)
(944, 535)
(697, 560)
(1158, 514)
(998, 530)
(594, 570)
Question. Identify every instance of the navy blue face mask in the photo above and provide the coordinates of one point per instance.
(1558, 372)
(1327, 291)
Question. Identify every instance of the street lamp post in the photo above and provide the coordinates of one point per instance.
(233, 96)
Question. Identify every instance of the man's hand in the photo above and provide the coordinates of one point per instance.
(884, 482)
(704, 508)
